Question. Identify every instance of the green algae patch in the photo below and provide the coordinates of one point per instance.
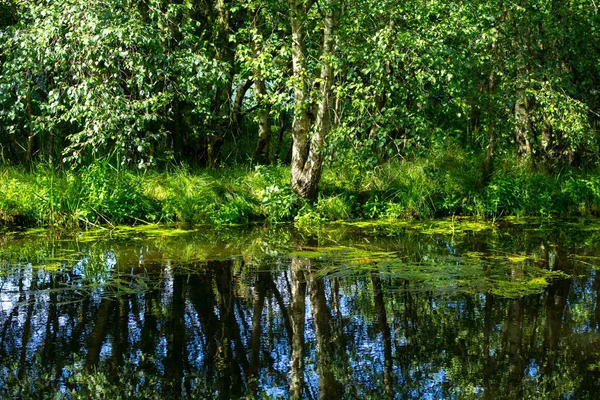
(474, 254)
(370, 224)
(584, 225)
(132, 232)
(35, 232)
(521, 220)
(431, 255)
(345, 254)
(505, 275)
(518, 258)
(588, 261)
(535, 282)
(444, 226)
(153, 230)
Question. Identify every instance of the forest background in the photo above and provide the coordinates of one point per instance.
(225, 111)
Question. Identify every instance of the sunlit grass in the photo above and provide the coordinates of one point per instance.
(445, 184)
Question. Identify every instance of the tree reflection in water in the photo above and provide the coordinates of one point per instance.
(296, 326)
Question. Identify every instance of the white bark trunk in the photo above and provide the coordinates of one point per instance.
(307, 156)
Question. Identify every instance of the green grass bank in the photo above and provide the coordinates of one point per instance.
(435, 186)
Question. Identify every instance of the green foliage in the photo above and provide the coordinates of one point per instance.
(104, 76)
(156, 82)
(278, 201)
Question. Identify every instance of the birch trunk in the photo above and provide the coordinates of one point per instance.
(307, 157)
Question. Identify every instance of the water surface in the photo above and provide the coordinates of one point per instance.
(437, 311)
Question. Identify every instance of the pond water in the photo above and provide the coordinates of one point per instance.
(436, 310)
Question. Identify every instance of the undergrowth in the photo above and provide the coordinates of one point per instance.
(440, 185)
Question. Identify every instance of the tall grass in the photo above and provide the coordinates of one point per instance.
(444, 184)
(102, 194)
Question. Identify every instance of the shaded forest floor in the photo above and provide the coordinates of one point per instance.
(427, 187)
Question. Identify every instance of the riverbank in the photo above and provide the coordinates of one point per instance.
(101, 194)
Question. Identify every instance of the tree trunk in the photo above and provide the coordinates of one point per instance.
(27, 331)
(488, 166)
(261, 154)
(176, 338)
(238, 114)
(373, 132)
(514, 345)
(522, 43)
(307, 157)
(487, 332)
(203, 299)
(282, 123)
(32, 138)
(547, 140)
(232, 348)
(522, 126)
(221, 110)
(221, 105)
